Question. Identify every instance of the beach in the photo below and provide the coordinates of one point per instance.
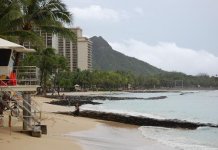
(57, 126)
(64, 132)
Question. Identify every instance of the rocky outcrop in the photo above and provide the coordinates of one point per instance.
(140, 121)
(72, 100)
(107, 98)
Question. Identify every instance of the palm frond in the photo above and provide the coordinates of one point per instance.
(10, 38)
(26, 36)
(8, 13)
(19, 18)
(55, 10)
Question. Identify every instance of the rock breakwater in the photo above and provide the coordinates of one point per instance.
(140, 120)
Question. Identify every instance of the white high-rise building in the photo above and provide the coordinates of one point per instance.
(84, 46)
(78, 53)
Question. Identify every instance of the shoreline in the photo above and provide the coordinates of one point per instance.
(109, 135)
(58, 126)
(72, 100)
(164, 90)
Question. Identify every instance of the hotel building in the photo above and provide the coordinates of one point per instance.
(78, 53)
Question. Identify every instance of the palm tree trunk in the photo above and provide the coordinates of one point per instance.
(44, 84)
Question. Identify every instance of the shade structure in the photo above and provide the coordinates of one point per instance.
(4, 44)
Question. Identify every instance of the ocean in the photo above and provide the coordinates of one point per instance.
(194, 106)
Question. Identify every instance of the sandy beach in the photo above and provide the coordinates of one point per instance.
(57, 125)
(60, 126)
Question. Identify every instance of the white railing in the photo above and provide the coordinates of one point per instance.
(27, 75)
(24, 75)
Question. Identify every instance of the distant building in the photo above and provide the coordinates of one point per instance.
(84, 46)
(69, 50)
(49, 41)
(78, 54)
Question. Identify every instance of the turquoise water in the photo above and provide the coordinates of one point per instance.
(194, 106)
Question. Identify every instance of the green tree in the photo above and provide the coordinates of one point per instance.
(19, 18)
(60, 65)
(66, 80)
(19, 22)
(46, 65)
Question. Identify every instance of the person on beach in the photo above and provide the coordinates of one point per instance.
(76, 112)
(63, 97)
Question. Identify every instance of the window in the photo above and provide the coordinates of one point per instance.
(5, 55)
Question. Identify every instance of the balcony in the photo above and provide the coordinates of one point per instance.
(24, 78)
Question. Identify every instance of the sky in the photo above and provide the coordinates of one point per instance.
(174, 35)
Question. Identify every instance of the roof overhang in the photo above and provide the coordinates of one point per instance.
(4, 44)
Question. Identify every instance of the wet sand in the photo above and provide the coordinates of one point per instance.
(115, 136)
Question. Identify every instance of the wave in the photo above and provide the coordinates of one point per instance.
(178, 138)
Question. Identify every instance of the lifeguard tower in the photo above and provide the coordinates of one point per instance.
(16, 86)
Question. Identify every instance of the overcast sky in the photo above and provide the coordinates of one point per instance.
(174, 35)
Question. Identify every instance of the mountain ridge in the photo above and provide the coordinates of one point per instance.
(107, 59)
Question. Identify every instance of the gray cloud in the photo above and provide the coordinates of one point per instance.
(99, 13)
(185, 25)
(170, 57)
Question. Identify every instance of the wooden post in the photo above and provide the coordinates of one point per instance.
(9, 123)
(26, 110)
(1, 121)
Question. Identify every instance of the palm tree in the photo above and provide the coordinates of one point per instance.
(50, 65)
(19, 18)
(60, 66)
(46, 65)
